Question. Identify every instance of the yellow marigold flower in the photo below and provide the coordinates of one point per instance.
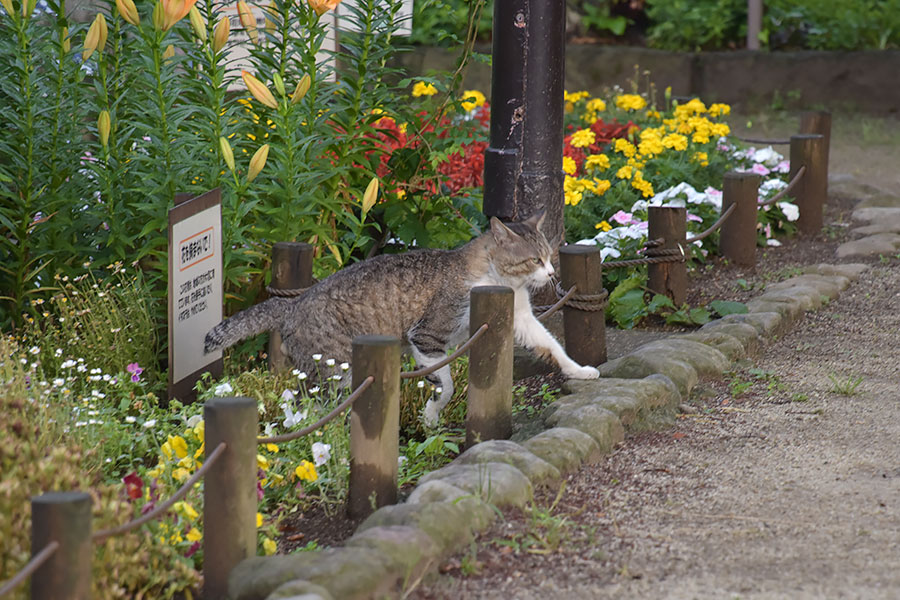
(575, 96)
(573, 198)
(702, 158)
(624, 172)
(306, 471)
(720, 129)
(259, 520)
(651, 146)
(423, 89)
(700, 137)
(625, 147)
(694, 106)
(603, 225)
(630, 102)
(472, 99)
(641, 184)
(194, 535)
(269, 546)
(675, 141)
(653, 114)
(597, 161)
(186, 510)
(262, 462)
(719, 109)
(601, 186)
(273, 448)
(595, 105)
(568, 165)
(180, 474)
(582, 138)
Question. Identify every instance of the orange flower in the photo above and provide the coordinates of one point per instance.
(175, 10)
(128, 11)
(248, 21)
(323, 6)
(220, 35)
(259, 90)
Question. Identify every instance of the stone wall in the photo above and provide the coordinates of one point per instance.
(864, 81)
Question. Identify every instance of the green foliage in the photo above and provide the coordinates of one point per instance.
(727, 307)
(845, 386)
(444, 22)
(626, 304)
(692, 26)
(597, 16)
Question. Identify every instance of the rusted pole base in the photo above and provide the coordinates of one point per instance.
(809, 150)
(229, 491)
(292, 264)
(737, 238)
(585, 331)
(670, 278)
(489, 412)
(374, 425)
(64, 517)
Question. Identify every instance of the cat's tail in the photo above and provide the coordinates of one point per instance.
(261, 317)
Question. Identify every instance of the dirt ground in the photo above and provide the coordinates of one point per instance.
(780, 480)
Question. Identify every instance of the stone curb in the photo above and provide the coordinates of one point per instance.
(398, 544)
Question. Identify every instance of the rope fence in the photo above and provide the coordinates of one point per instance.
(775, 142)
(33, 565)
(447, 360)
(800, 172)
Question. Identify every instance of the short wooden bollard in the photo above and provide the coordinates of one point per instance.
(229, 491)
(374, 425)
(585, 331)
(292, 264)
(818, 121)
(809, 150)
(668, 223)
(64, 517)
(737, 238)
(489, 410)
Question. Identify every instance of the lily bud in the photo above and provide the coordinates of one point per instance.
(198, 24)
(370, 196)
(220, 35)
(227, 154)
(103, 126)
(7, 6)
(28, 7)
(323, 6)
(176, 10)
(301, 89)
(248, 21)
(159, 17)
(271, 10)
(96, 37)
(259, 90)
(129, 11)
(258, 162)
(66, 42)
(169, 52)
(279, 83)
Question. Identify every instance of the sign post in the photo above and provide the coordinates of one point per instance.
(195, 289)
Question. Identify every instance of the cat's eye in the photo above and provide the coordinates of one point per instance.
(537, 261)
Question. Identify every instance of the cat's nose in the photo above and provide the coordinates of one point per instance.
(549, 266)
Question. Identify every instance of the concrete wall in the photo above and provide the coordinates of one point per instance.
(865, 81)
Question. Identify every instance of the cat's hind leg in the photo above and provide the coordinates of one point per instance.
(434, 406)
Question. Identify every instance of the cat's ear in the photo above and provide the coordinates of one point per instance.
(501, 232)
(536, 220)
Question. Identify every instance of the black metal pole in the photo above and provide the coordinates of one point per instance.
(523, 164)
(502, 160)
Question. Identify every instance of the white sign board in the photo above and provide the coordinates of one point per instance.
(195, 288)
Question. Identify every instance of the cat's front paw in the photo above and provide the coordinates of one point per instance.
(583, 373)
(431, 415)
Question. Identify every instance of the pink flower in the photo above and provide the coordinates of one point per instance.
(135, 370)
(694, 218)
(760, 169)
(782, 167)
(623, 218)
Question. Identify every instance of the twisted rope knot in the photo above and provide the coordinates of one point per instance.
(291, 293)
(585, 302)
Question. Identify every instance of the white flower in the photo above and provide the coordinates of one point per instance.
(68, 364)
(130, 419)
(59, 382)
(223, 388)
(321, 453)
(193, 421)
(317, 357)
(150, 423)
(767, 156)
(330, 362)
(58, 352)
(313, 390)
(438, 389)
(345, 366)
(96, 371)
(269, 429)
(771, 185)
(420, 384)
(97, 394)
(791, 211)
(301, 375)
(292, 418)
(335, 377)
(772, 242)
(81, 368)
(34, 350)
(288, 396)
(607, 252)
(401, 460)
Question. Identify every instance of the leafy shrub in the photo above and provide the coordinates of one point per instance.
(690, 26)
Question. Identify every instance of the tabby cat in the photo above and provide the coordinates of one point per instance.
(421, 297)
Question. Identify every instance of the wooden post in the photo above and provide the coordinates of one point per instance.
(292, 264)
(229, 491)
(374, 425)
(754, 23)
(585, 331)
(64, 517)
(819, 122)
(737, 238)
(669, 278)
(489, 411)
(809, 150)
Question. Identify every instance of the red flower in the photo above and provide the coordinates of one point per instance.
(134, 485)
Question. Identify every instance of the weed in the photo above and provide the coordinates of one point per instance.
(844, 387)
(743, 284)
(738, 386)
